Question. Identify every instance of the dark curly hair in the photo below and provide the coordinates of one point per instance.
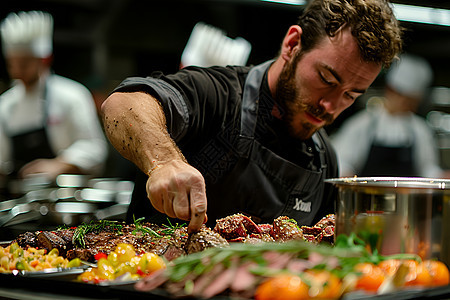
(372, 22)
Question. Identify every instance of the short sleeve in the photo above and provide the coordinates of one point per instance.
(174, 106)
(197, 102)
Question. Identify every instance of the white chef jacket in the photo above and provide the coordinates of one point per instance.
(72, 126)
(354, 139)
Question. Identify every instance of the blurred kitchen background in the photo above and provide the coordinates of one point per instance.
(101, 42)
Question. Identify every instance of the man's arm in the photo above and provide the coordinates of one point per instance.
(136, 126)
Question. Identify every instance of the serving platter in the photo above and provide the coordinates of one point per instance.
(68, 273)
(60, 287)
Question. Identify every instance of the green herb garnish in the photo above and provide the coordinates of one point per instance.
(142, 228)
(167, 229)
(94, 226)
(170, 229)
(62, 227)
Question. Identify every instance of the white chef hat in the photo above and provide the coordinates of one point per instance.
(29, 32)
(411, 75)
(209, 46)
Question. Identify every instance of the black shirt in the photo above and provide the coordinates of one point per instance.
(203, 111)
(207, 100)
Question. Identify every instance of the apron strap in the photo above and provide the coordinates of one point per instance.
(320, 147)
(250, 103)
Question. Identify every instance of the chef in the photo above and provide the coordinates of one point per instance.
(390, 139)
(48, 123)
(215, 141)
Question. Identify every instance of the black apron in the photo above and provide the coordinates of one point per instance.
(260, 184)
(30, 145)
(389, 161)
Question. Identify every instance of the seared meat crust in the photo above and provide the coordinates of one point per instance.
(173, 243)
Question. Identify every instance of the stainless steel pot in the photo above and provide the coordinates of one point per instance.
(396, 214)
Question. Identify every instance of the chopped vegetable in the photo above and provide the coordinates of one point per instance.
(123, 263)
(14, 258)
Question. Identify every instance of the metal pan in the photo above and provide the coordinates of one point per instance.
(396, 214)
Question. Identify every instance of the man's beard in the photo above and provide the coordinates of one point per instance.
(291, 102)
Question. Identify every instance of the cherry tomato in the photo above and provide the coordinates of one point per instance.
(113, 258)
(370, 278)
(282, 287)
(389, 266)
(438, 271)
(151, 262)
(105, 269)
(125, 252)
(418, 274)
(323, 284)
(87, 276)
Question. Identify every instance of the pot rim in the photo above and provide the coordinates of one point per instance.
(393, 182)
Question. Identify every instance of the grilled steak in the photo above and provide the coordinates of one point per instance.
(27, 239)
(322, 231)
(286, 229)
(86, 240)
(236, 226)
(49, 241)
(204, 238)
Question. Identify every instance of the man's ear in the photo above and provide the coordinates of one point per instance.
(291, 42)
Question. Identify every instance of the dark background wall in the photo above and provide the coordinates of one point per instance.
(112, 39)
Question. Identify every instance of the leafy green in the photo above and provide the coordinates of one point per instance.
(353, 243)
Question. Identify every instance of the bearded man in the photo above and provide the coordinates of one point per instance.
(215, 141)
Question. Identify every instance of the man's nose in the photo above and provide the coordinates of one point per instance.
(331, 102)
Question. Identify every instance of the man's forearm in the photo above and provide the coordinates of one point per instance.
(136, 126)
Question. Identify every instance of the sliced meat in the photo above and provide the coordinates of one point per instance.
(204, 238)
(328, 220)
(265, 228)
(152, 281)
(48, 240)
(286, 229)
(243, 278)
(314, 230)
(231, 227)
(66, 235)
(202, 282)
(235, 226)
(222, 281)
(27, 239)
(177, 244)
(83, 254)
(173, 252)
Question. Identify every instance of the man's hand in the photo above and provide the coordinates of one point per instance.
(50, 168)
(178, 190)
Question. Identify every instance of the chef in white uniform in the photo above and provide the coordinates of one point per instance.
(390, 139)
(49, 123)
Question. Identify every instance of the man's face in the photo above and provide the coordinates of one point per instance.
(316, 86)
(24, 67)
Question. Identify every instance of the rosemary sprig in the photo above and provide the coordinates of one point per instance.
(167, 229)
(201, 262)
(170, 229)
(143, 229)
(94, 226)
